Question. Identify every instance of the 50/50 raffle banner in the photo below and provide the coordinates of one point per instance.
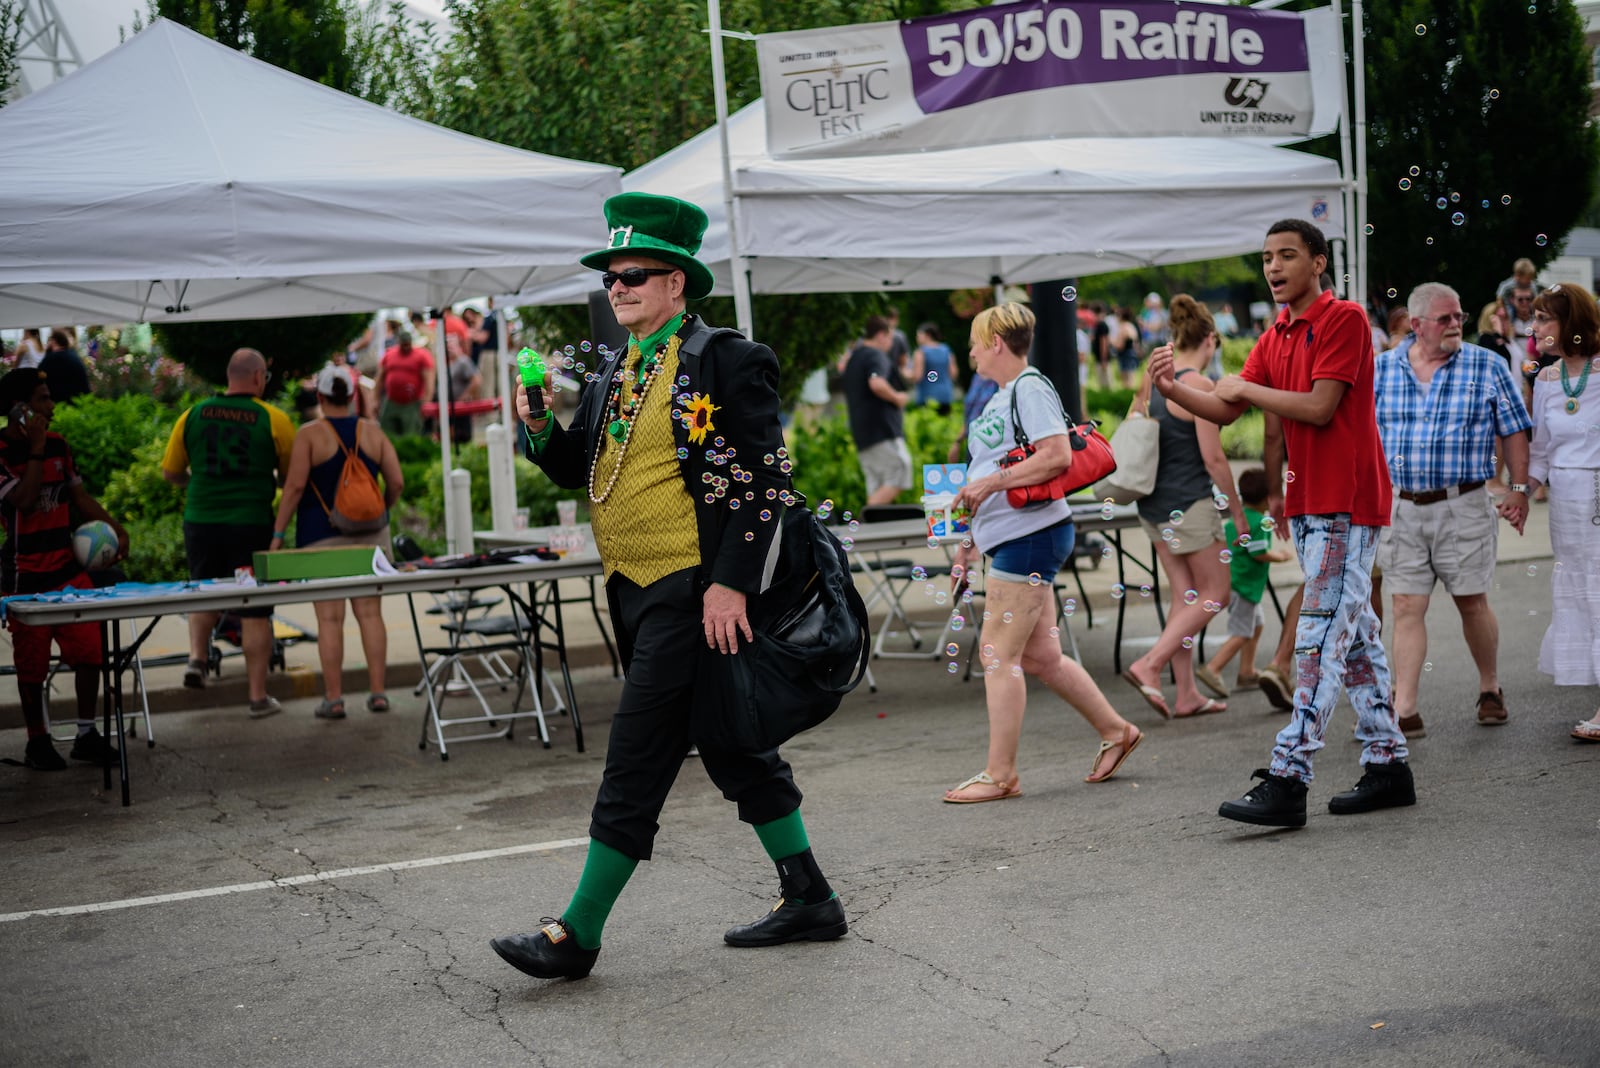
(1037, 69)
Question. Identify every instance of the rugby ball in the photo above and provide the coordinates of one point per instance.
(95, 544)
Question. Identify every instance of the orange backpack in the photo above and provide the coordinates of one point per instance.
(358, 506)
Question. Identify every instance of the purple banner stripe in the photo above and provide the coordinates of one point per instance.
(957, 60)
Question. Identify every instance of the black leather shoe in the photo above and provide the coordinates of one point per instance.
(551, 952)
(791, 922)
(1381, 786)
(1278, 802)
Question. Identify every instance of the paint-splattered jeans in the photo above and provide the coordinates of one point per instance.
(1337, 644)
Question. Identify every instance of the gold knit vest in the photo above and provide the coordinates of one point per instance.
(645, 528)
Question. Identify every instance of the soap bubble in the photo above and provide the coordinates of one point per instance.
(1288, 476)
(1188, 642)
(1494, 94)
(1421, 29)
(1367, 229)
(1440, 203)
(953, 667)
(1226, 556)
(953, 649)
(1505, 199)
(1190, 596)
(1006, 617)
(1069, 293)
(1034, 579)
(1458, 218)
(1117, 591)
(1405, 184)
(1414, 171)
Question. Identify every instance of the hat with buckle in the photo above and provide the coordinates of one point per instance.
(661, 228)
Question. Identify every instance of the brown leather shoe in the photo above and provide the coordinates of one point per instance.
(1411, 726)
(1492, 708)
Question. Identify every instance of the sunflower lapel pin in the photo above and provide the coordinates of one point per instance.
(697, 417)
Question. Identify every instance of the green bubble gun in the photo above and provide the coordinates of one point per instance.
(531, 366)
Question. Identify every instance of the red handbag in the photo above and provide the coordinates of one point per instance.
(1092, 458)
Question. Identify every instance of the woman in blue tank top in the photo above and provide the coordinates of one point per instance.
(933, 369)
(309, 489)
(1182, 518)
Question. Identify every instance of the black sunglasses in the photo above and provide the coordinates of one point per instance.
(633, 277)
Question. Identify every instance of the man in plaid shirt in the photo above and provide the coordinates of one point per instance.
(1445, 410)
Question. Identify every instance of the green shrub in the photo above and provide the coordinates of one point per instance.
(152, 510)
(103, 432)
(1243, 438)
(826, 466)
(420, 513)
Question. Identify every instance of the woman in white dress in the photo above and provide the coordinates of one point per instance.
(1566, 457)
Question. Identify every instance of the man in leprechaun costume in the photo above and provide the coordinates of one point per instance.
(678, 442)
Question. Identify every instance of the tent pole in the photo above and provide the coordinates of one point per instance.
(1347, 194)
(1358, 20)
(736, 264)
(441, 381)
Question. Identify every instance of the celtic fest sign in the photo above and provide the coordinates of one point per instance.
(1037, 69)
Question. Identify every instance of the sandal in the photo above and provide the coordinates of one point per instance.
(1211, 706)
(377, 702)
(333, 709)
(1128, 743)
(1586, 731)
(983, 778)
(1211, 680)
(1151, 694)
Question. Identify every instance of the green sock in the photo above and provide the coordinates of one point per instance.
(605, 873)
(784, 836)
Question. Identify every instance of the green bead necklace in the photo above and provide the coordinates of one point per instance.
(1566, 385)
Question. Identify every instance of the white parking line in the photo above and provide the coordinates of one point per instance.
(295, 880)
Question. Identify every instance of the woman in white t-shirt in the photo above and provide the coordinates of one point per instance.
(30, 350)
(1026, 547)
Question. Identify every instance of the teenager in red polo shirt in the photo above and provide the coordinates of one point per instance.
(39, 491)
(1313, 367)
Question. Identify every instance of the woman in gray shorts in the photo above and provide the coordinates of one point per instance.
(1183, 517)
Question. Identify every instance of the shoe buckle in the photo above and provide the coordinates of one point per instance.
(779, 905)
(555, 932)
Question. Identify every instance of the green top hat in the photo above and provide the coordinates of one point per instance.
(660, 227)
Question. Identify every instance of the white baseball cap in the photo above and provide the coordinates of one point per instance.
(331, 374)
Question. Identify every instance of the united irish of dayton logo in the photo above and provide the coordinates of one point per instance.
(1245, 92)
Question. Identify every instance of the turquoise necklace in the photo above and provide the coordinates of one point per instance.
(1566, 385)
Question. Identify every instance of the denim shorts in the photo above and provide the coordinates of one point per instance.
(1041, 553)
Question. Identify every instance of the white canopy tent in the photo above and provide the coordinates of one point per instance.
(1021, 212)
(175, 179)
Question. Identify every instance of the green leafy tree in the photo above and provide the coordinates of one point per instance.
(618, 83)
(10, 39)
(1480, 147)
(293, 347)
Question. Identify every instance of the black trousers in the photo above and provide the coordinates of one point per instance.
(661, 639)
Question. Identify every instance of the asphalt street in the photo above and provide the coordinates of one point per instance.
(1113, 924)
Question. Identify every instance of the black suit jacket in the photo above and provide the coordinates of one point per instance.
(738, 548)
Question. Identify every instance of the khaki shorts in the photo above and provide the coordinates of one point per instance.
(1198, 528)
(1452, 541)
(888, 463)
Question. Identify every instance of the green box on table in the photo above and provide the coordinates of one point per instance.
(339, 562)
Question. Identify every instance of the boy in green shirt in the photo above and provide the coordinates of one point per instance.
(1248, 568)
